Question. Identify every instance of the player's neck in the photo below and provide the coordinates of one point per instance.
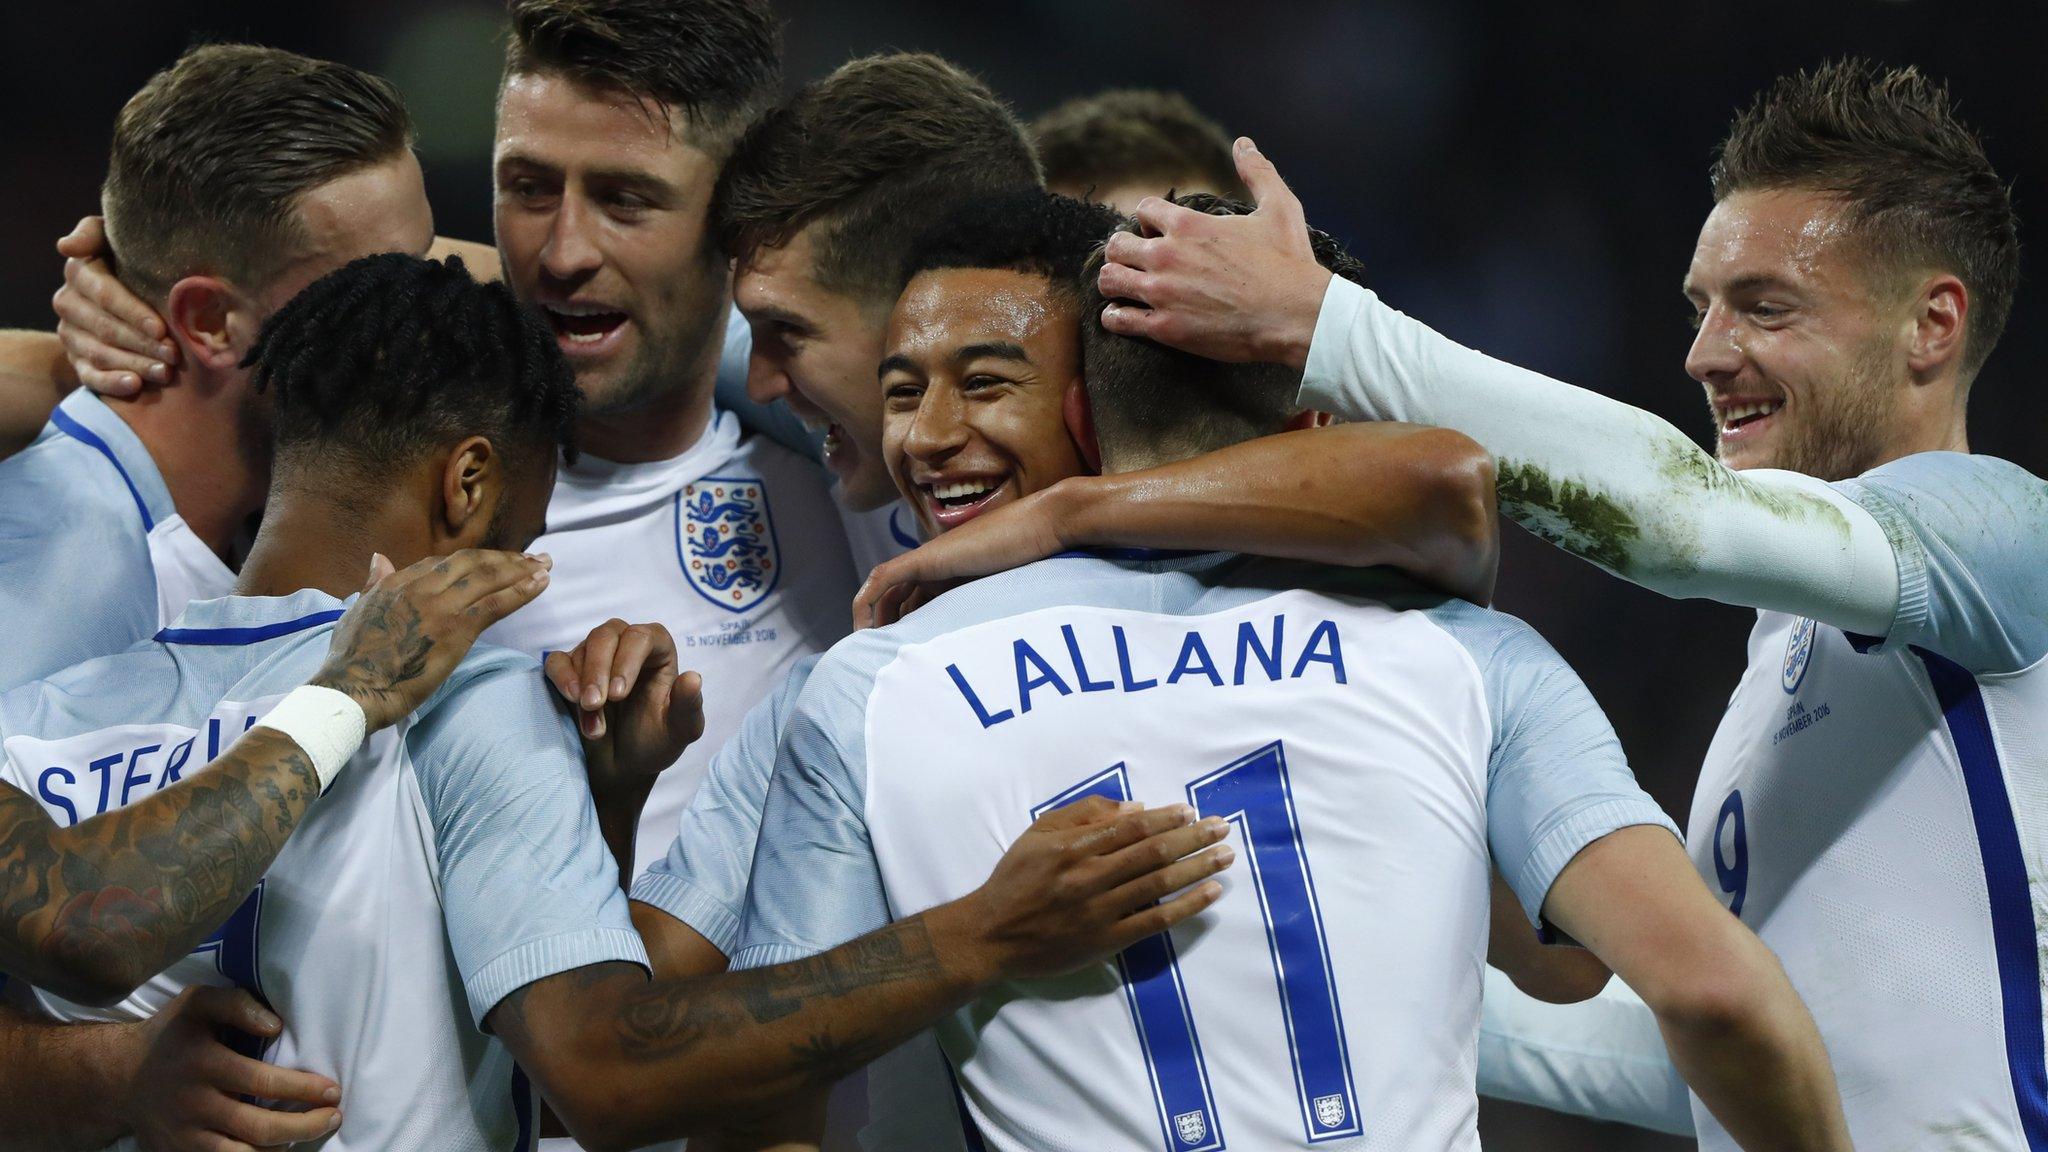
(309, 541)
(211, 450)
(662, 428)
(1940, 429)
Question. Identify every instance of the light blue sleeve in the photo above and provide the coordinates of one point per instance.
(1556, 778)
(75, 575)
(816, 883)
(1602, 1058)
(703, 879)
(1970, 534)
(775, 420)
(528, 888)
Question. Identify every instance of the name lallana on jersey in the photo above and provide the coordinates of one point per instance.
(1064, 670)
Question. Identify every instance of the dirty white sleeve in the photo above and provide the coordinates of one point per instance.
(1608, 482)
(1603, 1058)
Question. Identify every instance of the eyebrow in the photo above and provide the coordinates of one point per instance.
(1752, 282)
(896, 363)
(630, 177)
(775, 314)
(994, 350)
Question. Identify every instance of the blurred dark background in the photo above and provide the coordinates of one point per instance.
(1528, 178)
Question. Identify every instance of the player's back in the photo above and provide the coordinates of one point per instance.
(93, 554)
(1352, 735)
(365, 932)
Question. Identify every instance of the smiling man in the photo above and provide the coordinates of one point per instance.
(1872, 802)
(1158, 665)
(613, 121)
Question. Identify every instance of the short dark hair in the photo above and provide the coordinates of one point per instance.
(391, 356)
(875, 149)
(210, 157)
(1032, 231)
(1152, 403)
(718, 62)
(1133, 135)
(1918, 188)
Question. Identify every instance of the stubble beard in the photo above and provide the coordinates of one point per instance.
(1845, 427)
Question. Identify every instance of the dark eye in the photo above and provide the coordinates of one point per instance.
(981, 381)
(1695, 318)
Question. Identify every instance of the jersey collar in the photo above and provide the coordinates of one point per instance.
(252, 619)
(86, 418)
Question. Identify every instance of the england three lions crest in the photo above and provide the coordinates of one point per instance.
(1798, 654)
(725, 541)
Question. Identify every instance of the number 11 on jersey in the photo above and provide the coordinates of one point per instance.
(1253, 793)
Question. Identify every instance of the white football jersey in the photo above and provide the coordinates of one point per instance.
(455, 859)
(1878, 812)
(878, 534)
(87, 520)
(734, 546)
(1374, 749)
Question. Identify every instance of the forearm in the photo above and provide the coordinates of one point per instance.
(618, 821)
(1354, 495)
(1609, 482)
(626, 1061)
(93, 910)
(1602, 1059)
(1757, 1061)
(34, 376)
(81, 1074)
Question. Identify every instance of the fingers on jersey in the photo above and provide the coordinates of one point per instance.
(196, 1085)
(616, 660)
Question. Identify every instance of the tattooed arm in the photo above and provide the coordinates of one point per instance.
(91, 911)
(627, 1061)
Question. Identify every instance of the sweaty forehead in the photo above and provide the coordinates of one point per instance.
(1791, 236)
(944, 310)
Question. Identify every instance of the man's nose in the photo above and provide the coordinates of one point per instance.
(937, 430)
(1716, 351)
(571, 253)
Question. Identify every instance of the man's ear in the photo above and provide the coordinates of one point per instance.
(1940, 315)
(211, 321)
(471, 486)
(1080, 420)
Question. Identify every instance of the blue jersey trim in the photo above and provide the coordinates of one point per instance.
(234, 636)
(1129, 554)
(522, 1110)
(91, 439)
(896, 531)
(970, 1133)
(2013, 932)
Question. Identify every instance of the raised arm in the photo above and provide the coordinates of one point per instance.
(1357, 495)
(91, 911)
(1733, 1024)
(626, 1061)
(1608, 482)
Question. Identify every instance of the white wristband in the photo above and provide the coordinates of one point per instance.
(324, 723)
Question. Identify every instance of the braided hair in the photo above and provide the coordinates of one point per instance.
(391, 356)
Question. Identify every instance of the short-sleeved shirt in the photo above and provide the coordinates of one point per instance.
(93, 555)
(456, 859)
(1375, 748)
(1877, 810)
